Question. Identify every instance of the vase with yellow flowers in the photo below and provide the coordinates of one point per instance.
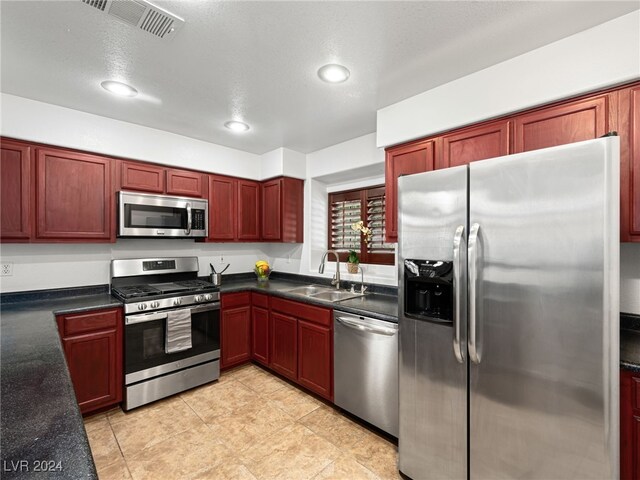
(354, 261)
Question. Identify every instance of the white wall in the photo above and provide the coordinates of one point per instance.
(604, 55)
(630, 278)
(42, 266)
(283, 161)
(45, 123)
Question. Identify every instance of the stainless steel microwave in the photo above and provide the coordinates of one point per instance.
(145, 215)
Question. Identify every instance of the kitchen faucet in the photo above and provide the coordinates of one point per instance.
(362, 287)
(336, 278)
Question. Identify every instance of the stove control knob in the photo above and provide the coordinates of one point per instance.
(177, 301)
(142, 306)
(208, 297)
(155, 304)
(198, 298)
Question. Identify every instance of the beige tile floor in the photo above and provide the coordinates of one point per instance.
(248, 425)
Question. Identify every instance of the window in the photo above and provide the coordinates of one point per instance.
(347, 208)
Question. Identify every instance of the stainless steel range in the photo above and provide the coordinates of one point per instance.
(172, 327)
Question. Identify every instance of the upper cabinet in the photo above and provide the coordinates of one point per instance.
(585, 118)
(282, 210)
(629, 128)
(416, 157)
(16, 168)
(145, 177)
(74, 196)
(222, 208)
(476, 143)
(561, 124)
(248, 210)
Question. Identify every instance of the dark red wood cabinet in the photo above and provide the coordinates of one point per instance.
(284, 345)
(282, 210)
(303, 336)
(235, 329)
(74, 196)
(260, 331)
(92, 343)
(142, 177)
(16, 169)
(561, 124)
(477, 143)
(629, 129)
(629, 425)
(403, 160)
(222, 208)
(248, 215)
(150, 178)
(315, 357)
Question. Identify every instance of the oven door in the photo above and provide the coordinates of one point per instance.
(144, 215)
(144, 342)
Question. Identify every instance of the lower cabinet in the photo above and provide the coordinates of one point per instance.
(260, 328)
(92, 343)
(284, 352)
(629, 425)
(314, 357)
(303, 344)
(235, 329)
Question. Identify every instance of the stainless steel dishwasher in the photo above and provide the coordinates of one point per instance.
(365, 363)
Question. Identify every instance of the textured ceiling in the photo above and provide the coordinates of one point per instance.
(257, 61)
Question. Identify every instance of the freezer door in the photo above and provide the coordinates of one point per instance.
(543, 314)
(433, 372)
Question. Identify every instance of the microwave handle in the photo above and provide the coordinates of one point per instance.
(188, 218)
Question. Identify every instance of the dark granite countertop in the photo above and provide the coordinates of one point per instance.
(375, 305)
(630, 342)
(40, 419)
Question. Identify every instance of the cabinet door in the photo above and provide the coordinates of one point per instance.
(629, 130)
(292, 208)
(260, 335)
(629, 426)
(15, 190)
(271, 210)
(95, 365)
(75, 198)
(185, 183)
(284, 345)
(562, 124)
(477, 143)
(222, 207)
(314, 358)
(248, 210)
(235, 330)
(405, 160)
(142, 177)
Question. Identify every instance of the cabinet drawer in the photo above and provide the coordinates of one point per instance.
(78, 323)
(311, 313)
(241, 299)
(260, 300)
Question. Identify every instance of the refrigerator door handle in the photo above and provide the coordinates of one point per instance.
(473, 280)
(457, 268)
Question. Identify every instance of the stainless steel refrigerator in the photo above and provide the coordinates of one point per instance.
(509, 305)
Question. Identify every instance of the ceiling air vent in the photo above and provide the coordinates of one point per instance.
(141, 14)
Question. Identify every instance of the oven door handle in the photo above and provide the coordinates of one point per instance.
(150, 317)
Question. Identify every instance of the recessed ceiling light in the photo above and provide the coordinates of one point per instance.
(236, 126)
(119, 88)
(333, 73)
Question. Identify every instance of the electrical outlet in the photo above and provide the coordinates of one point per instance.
(221, 258)
(6, 269)
(289, 258)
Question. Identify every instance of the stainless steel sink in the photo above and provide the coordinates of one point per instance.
(309, 290)
(336, 296)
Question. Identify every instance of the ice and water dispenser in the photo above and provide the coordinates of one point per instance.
(428, 290)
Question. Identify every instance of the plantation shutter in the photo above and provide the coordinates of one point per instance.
(378, 251)
(347, 208)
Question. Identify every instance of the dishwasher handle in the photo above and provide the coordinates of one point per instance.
(365, 327)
